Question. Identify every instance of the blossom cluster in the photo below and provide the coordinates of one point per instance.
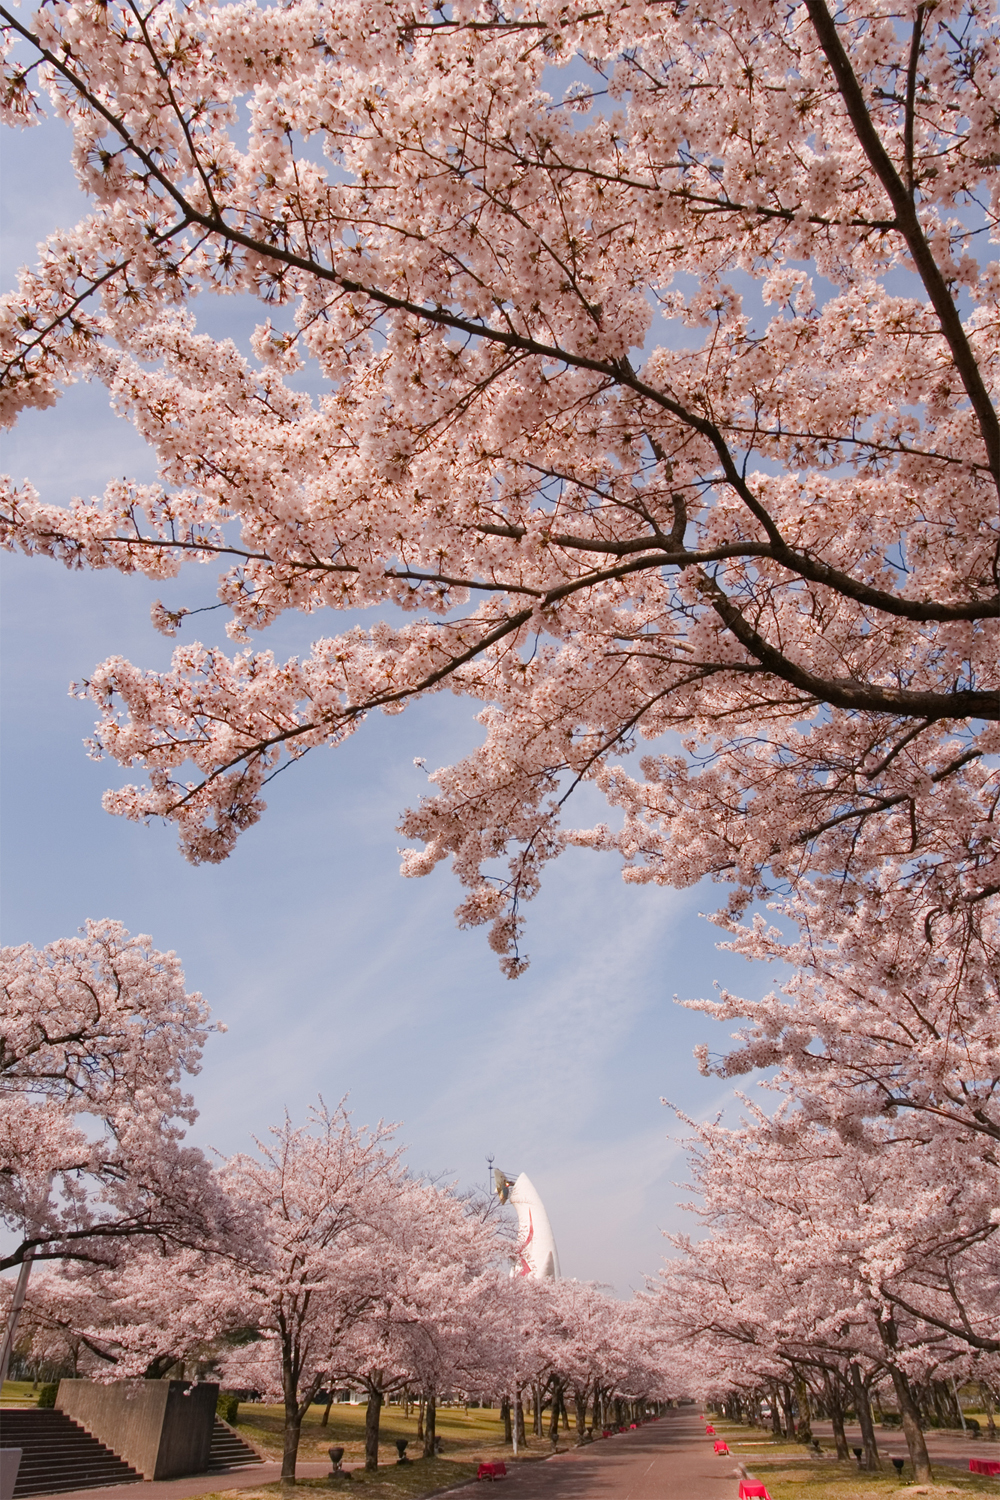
(661, 412)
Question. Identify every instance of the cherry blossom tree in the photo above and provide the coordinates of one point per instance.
(581, 1339)
(885, 1013)
(832, 1265)
(152, 1314)
(324, 1198)
(432, 1320)
(588, 480)
(96, 1036)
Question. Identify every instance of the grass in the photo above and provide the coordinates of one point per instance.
(400, 1482)
(19, 1393)
(791, 1473)
(468, 1437)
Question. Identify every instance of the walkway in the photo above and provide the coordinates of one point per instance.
(667, 1460)
(249, 1478)
(950, 1449)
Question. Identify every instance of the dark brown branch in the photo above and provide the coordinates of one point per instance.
(909, 227)
(966, 1334)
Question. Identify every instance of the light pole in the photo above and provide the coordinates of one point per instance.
(17, 1302)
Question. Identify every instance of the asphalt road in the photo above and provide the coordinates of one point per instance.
(670, 1459)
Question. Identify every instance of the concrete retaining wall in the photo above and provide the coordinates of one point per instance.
(163, 1428)
(10, 1462)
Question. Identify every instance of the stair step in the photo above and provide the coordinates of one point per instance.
(229, 1451)
(57, 1455)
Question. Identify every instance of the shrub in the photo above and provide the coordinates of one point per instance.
(227, 1406)
(47, 1394)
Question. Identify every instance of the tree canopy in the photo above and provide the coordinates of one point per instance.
(653, 351)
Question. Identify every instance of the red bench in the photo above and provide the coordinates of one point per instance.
(709, 1430)
(497, 1470)
(721, 1447)
(751, 1489)
(983, 1466)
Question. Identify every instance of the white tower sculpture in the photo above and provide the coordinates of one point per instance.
(536, 1248)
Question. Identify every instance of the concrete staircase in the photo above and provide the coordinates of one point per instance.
(229, 1451)
(58, 1454)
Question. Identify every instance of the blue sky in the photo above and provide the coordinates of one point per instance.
(332, 974)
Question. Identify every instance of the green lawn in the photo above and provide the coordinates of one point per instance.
(469, 1437)
(406, 1482)
(19, 1393)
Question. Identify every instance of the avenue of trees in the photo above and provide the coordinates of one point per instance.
(834, 1270)
(834, 1263)
(655, 350)
(313, 1263)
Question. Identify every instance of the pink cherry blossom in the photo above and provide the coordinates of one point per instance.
(765, 543)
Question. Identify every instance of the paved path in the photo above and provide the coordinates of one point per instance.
(947, 1448)
(667, 1460)
(670, 1459)
(198, 1484)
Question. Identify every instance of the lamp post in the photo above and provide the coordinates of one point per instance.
(17, 1302)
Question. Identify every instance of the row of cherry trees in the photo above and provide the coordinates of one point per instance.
(833, 1266)
(657, 401)
(853, 1235)
(314, 1262)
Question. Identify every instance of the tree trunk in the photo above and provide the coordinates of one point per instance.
(803, 1430)
(907, 1408)
(786, 1406)
(536, 1394)
(430, 1424)
(946, 1405)
(326, 1410)
(870, 1446)
(373, 1417)
(293, 1414)
(580, 1406)
(522, 1441)
(505, 1418)
(554, 1416)
(420, 1420)
(987, 1395)
(911, 1427)
(290, 1447)
(836, 1406)
(775, 1410)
